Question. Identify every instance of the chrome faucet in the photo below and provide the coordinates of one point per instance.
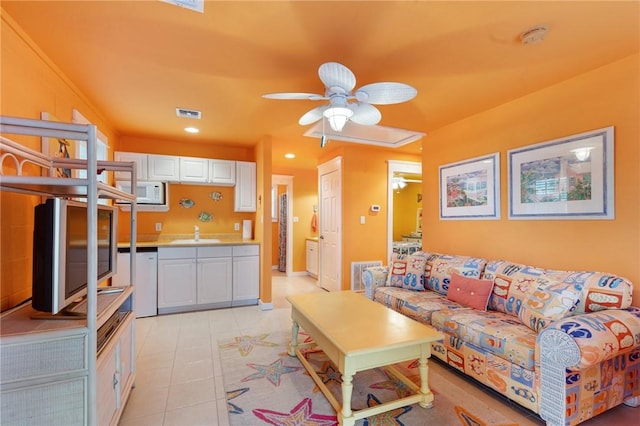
(196, 233)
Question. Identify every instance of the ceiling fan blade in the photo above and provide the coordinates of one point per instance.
(312, 116)
(333, 74)
(365, 114)
(385, 93)
(294, 95)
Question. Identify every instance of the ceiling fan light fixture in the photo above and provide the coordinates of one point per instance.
(337, 117)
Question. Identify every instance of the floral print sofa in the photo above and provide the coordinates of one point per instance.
(563, 344)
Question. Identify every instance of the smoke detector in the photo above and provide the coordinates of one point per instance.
(534, 35)
(188, 113)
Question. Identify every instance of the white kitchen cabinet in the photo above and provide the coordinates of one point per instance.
(222, 172)
(245, 189)
(134, 157)
(312, 257)
(215, 279)
(177, 278)
(246, 274)
(146, 279)
(194, 170)
(163, 168)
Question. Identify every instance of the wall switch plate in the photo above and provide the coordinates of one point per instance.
(236, 226)
(296, 219)
(158, 226)
(362, 220)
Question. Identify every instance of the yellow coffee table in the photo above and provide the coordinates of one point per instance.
(359, 334)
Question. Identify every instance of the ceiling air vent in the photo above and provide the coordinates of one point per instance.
(188, 113)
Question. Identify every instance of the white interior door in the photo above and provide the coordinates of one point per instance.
(330, 221)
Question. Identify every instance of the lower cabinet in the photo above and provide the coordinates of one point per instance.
(207, 277)
(246, 275)
(115, 379)
(312, 257)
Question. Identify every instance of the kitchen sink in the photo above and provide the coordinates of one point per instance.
(199, 241)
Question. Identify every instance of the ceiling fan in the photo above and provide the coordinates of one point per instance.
(339, 84)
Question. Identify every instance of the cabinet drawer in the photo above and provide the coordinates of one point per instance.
(215, 251)
(25, 360)
(177, 252)
(248, 250)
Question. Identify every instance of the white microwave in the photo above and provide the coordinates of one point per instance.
(146, 192)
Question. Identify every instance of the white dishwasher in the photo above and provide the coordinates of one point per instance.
(146, 280)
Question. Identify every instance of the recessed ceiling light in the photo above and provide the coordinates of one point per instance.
(191, 130)
(289, 155)
(534, 35)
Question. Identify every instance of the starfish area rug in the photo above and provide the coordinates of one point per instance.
(264, 385)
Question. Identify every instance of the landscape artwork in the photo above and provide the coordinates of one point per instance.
(555, 179)
(467, 189)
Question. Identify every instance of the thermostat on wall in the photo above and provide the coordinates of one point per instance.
(375, 207)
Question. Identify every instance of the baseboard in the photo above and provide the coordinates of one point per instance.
(265, 306)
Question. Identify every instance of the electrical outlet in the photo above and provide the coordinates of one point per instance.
(236, 226)
(158, 226)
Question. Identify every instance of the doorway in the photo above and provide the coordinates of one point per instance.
(282, 221)
(395, 169)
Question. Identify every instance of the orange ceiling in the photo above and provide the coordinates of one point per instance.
(137, 61)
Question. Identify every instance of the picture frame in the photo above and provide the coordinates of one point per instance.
(566, 178)
(470, 189)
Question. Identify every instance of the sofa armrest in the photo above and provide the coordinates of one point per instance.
(582, 343)
(374, 277)
(584, 340)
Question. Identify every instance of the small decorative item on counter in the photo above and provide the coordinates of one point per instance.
(215, 196)
(187, 203)
(205, 217)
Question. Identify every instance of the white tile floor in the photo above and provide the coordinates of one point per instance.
(178, 377)
(179, 380)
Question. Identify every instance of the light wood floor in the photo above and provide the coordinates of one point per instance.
(179, 379)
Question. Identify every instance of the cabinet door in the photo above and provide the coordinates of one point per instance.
(164, 168)
(214, 280)
(194, 170)
(246, 277)
(245, 190)
(108, 387)
(139, 159)
(176, 282)
(312, 258)
(222, 172)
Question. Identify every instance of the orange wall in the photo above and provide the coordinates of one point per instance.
(30, 84)
(604, 97)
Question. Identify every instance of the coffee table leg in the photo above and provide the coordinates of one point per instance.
(427, 395)
(347, 390)
(294, 339)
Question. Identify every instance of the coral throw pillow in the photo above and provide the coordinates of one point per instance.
(470, 292)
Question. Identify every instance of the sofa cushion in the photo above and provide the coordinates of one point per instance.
(419, 305)
(407, 271)
(497, 333)
(470, 292)
(551, 300)
(440, 267)
(512, 283)
(599, 291)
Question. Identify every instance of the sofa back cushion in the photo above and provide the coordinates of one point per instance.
(440, 267)
(407, 271)
(512, 283)
(598, 290)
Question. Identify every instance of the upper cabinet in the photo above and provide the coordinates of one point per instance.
(195, 170)
(163, 168)
(245, 190)
(222, 172)
(139, 159)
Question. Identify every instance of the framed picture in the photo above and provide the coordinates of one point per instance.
(567, 178)
(470, 189)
